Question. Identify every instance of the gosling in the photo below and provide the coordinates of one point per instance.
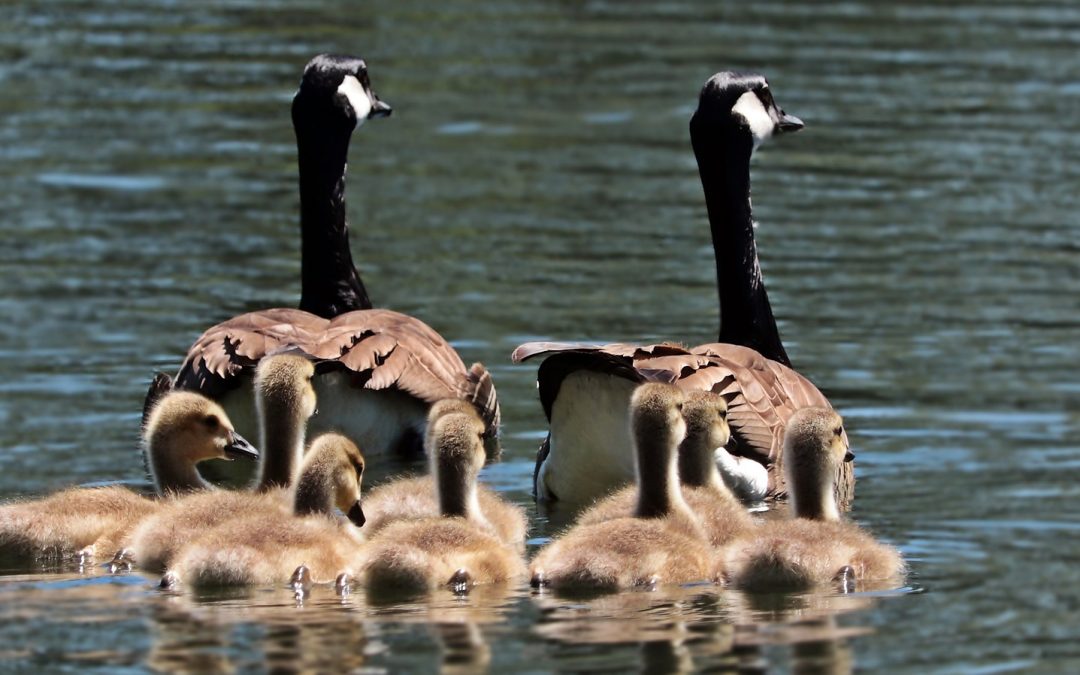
(663, 543)
(266, 548)
(418, 498)
(285, 401)
(816, 548)
(722, 514)
(454, 548)
(182, 430)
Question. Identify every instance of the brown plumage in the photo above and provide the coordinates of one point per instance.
(663, 543)
(182, 430)
(285, 399)
(416, 498)
(761, 394)
(721, 514)
(369, 350)
(455, 546)
(816, 547)
(266, 548)
(748, 363)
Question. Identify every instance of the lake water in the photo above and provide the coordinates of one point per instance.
(919, 241)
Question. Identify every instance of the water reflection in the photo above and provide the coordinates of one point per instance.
(918, 239)
(681, 629)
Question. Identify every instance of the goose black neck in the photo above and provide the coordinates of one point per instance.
(330, 283)
(746, 317)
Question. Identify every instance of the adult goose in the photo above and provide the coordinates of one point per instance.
(379, 370)
(585, 388)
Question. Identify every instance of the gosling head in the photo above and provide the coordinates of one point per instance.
(815, 447)
(707, 429)
(705, 413)
(339, 464)
(455, 443)
(335, 93)
(742, 103)
(197, 428)
(656, 414)
(449, 405)
(283, 387)
(186, 428)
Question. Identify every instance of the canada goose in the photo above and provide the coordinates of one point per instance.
(266, 548)
(455, 546)
(663, 543)
(286, 401)
(415, 498)
(815, 547)
(380, 369)
(721, 513)
(584, 387)
(182, 430)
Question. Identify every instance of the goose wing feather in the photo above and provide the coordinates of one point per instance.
(384, 349)
(761, 394)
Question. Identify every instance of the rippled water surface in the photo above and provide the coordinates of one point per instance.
(919, 240)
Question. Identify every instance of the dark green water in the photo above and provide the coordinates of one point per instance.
(919, 241)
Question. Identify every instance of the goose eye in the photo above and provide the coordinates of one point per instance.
(839, 431)
(211, 422)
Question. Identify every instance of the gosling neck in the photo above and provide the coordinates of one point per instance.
(171, 469)
(330, 283)
(315, 489)
(746, 317)
(813, 496)
(456, 487)
(282, 440)
(659, 495)
(697, 467)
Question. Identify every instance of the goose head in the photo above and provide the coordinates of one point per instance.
(455, 443)
(335, 93)
(331, 477)
(186, 428)
(742, 103)
(815, 448)
(707, 429)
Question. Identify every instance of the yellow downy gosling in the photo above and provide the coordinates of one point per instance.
(663, 543)
(182, 430)
(816, 547)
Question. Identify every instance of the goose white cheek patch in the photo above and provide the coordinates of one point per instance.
(761, 123)
(357, 96)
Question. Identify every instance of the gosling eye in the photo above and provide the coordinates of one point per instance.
(839, 431)
(211, 422)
